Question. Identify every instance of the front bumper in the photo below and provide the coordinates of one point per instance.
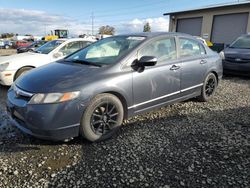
(236, 68)
(7, 77)
(46, 121)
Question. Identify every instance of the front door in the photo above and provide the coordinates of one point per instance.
(155, 85)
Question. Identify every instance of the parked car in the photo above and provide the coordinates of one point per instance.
(1, 43)
(206, 42)
(236, 57)
(93, 90)
(22, 43)
(11, 67)
(31, 47)
(5, 44)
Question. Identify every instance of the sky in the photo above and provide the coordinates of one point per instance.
(39, 17)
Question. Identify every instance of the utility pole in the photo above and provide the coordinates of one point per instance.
(92, 18)
(45, 30)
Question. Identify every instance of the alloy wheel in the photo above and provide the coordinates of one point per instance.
(210, 87)
(104, 118)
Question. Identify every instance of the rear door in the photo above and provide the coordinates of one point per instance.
(194, 64)
(158, 84)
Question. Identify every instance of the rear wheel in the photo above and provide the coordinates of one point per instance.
(22, 71)
(209, 88)
(102, 118)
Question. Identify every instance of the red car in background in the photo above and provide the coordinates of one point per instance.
(23, 43)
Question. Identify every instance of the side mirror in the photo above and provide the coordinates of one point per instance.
(58, 54)
(147, 61)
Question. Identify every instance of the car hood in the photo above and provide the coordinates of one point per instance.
(58, 77)
(237, 53)
(22, 57)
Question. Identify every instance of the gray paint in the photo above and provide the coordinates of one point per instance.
(190, 26)
(142, 90)
(227, 28)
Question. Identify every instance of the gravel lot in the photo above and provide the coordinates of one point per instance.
(190, 144)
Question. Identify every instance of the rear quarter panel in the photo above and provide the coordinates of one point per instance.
(214, 63)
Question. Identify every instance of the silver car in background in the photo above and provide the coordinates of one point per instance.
(91, 92)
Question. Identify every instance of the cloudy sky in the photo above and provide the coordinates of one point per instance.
(39, 17)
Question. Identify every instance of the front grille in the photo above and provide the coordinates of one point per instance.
(19, 93)
(237, 60)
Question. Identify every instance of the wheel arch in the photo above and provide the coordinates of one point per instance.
(216, 75)
(26, 66)
(122, 99)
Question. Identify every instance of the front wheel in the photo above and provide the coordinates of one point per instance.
(209, 88)
(102, 118)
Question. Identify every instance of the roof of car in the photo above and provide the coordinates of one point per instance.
(155, 34)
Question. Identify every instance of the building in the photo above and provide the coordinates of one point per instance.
(220, 24)
(24, 37)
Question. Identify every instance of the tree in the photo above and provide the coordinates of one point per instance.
(107, 30)
(7, 35)
(146, 28)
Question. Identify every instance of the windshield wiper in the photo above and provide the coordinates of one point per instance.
(85, 62)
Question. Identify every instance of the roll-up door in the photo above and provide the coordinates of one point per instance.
(227, 28)
(190, 26)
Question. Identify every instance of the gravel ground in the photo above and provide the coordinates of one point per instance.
(189, 144)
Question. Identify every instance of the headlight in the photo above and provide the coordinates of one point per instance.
(53, 97)
(222, 54)
(4, 66)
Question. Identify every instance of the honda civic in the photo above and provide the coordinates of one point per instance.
(90, 92)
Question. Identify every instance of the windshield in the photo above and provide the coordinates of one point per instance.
(242, 42)
(48, 47)
(108, 50)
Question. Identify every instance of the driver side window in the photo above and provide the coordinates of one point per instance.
(163, 49)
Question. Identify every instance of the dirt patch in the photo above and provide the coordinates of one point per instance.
(4, 52)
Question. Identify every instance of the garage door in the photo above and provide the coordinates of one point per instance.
(227, 28)
(190, 26)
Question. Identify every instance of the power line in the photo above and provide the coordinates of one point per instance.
(125, 8)
(92, 17)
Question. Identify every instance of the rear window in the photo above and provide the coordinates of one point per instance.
(189, 48)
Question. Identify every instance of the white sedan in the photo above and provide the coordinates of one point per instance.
(13, 66)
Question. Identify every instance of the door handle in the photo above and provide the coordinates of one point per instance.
(175, 67)
(203, 61)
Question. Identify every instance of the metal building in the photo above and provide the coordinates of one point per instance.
(220, 24)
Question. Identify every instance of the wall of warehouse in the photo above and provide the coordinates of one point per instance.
(208, 16)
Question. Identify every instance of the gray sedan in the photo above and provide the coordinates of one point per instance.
(92, 91)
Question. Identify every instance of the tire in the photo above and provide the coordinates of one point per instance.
(22, 71)
(102, 118)
(209, 88)
(7, 47)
